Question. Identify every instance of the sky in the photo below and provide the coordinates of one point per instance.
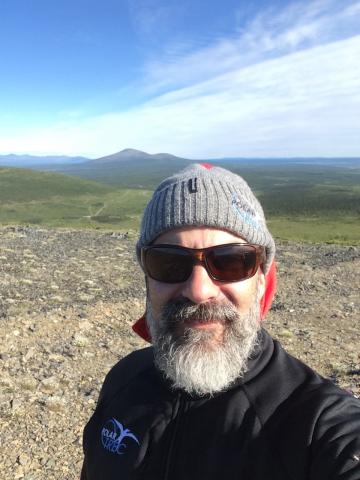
(197, 78)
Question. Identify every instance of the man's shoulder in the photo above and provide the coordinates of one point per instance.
(123, 372)
(286, 385)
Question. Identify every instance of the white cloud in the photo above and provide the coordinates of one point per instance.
(352, 10)
(270, 34)
(299, 103)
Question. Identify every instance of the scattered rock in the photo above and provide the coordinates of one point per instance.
(29, 354)
(80, 340)
(49, 385)
(285, 333)
(28, 383)
(16, 404)
(23, 459)
(55, 404)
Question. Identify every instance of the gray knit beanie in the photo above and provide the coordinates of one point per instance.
(205, 196)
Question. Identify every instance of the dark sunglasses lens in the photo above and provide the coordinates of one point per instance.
(232, 263)
(170, 265)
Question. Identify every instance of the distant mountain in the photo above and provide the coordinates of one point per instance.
(351, 162)
(128, 168)
(32, 161)
(136, 169)
(132, 155)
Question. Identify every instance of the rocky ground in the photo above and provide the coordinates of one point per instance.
(67, 301)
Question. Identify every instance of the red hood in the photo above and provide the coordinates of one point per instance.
(141, 328)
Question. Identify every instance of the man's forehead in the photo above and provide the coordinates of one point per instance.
(198, 237)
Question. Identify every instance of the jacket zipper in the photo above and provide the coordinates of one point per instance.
(174, 437)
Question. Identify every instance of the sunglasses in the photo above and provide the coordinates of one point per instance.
(231, 262)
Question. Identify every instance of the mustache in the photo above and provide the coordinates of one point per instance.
(182, 311)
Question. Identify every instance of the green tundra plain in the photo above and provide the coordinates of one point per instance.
(301, 202)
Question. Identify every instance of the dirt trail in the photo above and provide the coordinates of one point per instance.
(67, 301)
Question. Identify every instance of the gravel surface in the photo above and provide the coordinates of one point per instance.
(67, 301)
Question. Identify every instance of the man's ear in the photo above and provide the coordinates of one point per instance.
(261, 283)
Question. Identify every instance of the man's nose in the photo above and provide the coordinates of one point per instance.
(199, 287)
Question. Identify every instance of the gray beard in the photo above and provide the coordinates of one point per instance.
(192, 359)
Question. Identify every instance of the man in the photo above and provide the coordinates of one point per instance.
(215, 396)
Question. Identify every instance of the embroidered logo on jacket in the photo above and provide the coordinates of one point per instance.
(113, 436)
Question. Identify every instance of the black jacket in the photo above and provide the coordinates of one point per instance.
(281, 422)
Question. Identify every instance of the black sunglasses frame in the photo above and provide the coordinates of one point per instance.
(199, 256)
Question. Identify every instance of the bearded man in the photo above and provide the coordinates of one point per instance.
(215, 396)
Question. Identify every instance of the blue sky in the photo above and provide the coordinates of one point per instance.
(196, 78)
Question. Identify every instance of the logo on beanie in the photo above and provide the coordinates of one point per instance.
(113, 435)
(192, 185)
(244, 210)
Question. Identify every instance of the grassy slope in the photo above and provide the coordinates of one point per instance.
(140, 174)
(22, 185)
(301, 203)
(308, 203)
(29, 197)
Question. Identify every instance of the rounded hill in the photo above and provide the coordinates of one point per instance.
(19, 185)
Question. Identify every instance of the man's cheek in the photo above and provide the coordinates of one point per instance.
(160, 294)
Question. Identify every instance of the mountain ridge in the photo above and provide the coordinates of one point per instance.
(132, 154)
(29, 161)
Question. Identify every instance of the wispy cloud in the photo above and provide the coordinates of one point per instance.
(287, 85)
(270, 34)
(151, 19)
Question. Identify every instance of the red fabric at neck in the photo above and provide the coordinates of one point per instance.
(270, 290)
(141, 328)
